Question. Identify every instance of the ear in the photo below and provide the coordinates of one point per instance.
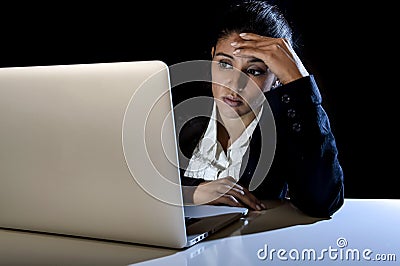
(212, 51)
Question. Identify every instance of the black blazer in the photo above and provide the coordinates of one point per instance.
(305, 165)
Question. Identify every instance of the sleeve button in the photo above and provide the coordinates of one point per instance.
(296, 127)
(291, 113)
(285, 98)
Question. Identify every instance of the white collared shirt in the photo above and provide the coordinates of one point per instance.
(209, 160)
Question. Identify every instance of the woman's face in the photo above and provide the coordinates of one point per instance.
(237, 82)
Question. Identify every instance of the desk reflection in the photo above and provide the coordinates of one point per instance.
(279, 214)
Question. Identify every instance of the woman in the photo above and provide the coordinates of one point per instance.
(253, 56)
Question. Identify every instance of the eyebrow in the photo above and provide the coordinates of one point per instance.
(252, 60)
(223, 54)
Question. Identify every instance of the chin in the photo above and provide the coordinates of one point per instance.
(230, 112)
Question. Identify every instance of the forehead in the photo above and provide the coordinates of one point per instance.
(224, 47)
(227, 40)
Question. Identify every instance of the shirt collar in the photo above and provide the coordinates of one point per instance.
(210, 136)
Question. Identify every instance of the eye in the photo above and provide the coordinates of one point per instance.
(255, 72)
(224, 65)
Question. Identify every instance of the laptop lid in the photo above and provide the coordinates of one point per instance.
(90, 150)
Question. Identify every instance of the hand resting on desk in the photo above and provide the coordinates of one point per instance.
(227, 192)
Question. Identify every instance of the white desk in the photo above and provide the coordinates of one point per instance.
(368, 228)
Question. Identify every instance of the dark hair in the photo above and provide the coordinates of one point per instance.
(255, 16)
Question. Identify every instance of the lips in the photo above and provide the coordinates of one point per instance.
(232, 101)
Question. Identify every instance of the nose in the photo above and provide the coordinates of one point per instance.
(238, 81)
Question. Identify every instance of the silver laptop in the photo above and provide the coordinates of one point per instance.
(90, 150)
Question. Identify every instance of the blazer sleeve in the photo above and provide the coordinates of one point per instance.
(191, 130)
(310, 163)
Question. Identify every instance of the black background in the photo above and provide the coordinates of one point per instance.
(349, 49)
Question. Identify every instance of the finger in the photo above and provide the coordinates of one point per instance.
(255, 199)
(272, 46)
(243, 198)
(233, 196)
(230, 183)
(246, 199)
(265, 39)
(235, 192)
(265, 42)
(224, 188)
(240, 191)
(230, 200)
(252, 36)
